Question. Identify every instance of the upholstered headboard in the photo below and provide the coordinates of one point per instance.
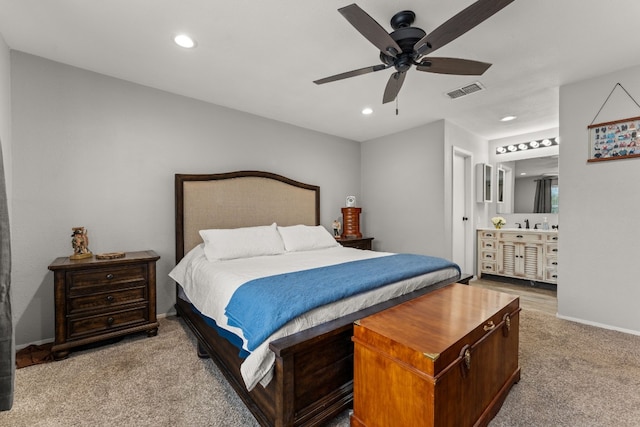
(239, 199)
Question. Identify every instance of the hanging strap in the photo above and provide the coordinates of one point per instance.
(610, 93)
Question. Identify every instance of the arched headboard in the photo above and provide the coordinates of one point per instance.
(239, 199)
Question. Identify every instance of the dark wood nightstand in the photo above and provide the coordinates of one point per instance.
(103, 299)
(356, 242)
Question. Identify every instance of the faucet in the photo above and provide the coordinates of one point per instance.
(535, 227)
(526, 223)
(519, 225)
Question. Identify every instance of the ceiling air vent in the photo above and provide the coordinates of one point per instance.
(465, 90)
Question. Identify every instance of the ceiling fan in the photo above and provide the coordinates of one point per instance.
(407, 45)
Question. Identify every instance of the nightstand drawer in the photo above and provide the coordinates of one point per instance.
(94, 280)
(90, 325)
(107, 299)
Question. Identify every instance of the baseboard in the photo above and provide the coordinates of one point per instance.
(598, 325)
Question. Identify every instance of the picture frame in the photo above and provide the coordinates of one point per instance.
(615, 140)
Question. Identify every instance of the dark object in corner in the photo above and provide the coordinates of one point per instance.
(34, 355)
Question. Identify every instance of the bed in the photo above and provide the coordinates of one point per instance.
(312, 375)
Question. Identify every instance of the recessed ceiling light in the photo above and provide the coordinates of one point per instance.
(184, 40)
(508, 118)
(367, 111)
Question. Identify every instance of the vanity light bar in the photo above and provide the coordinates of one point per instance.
(541, 143)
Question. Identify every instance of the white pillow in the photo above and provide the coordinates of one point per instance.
(306, 238)
(245, 242)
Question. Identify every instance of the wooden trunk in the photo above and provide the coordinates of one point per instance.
(448, 358)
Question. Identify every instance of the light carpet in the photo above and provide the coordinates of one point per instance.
(572, 375)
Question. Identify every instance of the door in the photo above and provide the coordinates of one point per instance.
(461, 232)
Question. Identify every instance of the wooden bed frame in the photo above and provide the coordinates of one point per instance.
(313, 378)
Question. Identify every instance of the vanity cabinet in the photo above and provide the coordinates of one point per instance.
(522, 254)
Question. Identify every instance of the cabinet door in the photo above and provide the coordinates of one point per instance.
(500, 187)
(484, 182)
(507, 258)
(523, 260)
(532, 261)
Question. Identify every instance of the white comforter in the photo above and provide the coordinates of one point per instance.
(210, 285)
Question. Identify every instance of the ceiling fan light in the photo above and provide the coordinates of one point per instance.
(367, 111)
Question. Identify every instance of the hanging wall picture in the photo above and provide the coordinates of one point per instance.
(615, 140)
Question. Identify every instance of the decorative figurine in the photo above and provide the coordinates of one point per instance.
(336, 228)
(80, 243)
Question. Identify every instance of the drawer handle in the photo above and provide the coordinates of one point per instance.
(109, 276)
(554, 263)
(110, 321)
(554, 250)
(555, 238)
(519, 236)
(110, 298)
(489, 326)
(555, 276)
(489, 245)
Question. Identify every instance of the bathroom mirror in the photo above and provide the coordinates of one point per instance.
(525, 174)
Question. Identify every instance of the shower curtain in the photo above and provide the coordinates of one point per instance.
(7, 345)
(542, 201)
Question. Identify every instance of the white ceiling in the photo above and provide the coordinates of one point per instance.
(262, 56)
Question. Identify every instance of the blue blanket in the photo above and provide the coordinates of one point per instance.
(262, 306)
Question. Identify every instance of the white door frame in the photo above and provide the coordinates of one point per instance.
(467, 265)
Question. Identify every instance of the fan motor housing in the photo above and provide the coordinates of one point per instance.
(406, 37)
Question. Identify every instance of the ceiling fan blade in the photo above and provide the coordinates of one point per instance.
(459, 24)
(463, 67)
(370, 29)
(353, 73)
(393, 86)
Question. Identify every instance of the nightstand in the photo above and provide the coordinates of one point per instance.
(97, 300)
(356, 242)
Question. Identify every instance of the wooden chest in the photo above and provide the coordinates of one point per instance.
(448, 358)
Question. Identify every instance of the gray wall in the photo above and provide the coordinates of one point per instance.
(407, 187)
(600, 238)
(94, 151)
(402, 176)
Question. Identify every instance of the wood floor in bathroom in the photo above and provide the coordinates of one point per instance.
(531, 298)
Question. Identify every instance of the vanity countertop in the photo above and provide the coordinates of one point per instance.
(520, 230)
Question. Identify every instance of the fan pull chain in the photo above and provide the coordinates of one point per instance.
(397, 105)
